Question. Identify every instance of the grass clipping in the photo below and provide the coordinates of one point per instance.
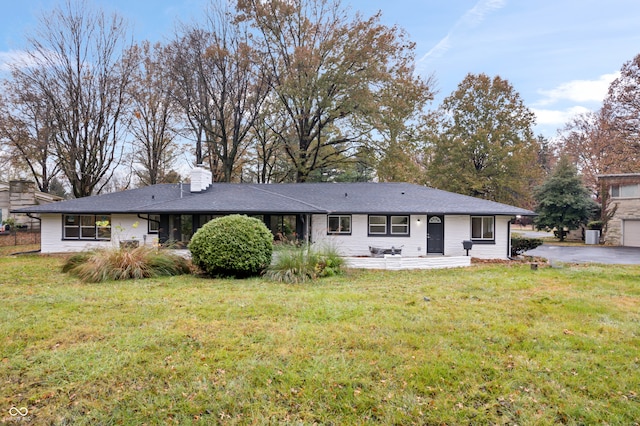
(122, 264)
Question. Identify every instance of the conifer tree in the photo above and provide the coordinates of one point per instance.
(563, 202)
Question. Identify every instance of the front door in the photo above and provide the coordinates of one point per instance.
(435, 235)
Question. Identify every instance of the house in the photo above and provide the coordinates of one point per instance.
(353, 217)
(18, 194)
(623, 229)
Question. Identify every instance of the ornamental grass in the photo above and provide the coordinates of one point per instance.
(123, 264)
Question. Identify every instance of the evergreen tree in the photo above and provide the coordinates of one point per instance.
(562, 200)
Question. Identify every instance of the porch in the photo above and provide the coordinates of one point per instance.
(394, 262)
(397, 262)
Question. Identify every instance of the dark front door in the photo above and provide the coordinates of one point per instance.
(435, 234)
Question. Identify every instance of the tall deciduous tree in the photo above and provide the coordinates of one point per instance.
(75, 63)
(326, 67)
(622, 107)
(563, 202)
(26, 127)
(222, 86)
(270, 163)
(397, 126)
(154, 118)
(485, 147)
(591, 142)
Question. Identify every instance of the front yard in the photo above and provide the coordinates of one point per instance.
(487, 344)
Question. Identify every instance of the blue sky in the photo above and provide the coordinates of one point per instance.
(560, 55)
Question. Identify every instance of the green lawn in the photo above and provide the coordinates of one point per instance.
(491, 344)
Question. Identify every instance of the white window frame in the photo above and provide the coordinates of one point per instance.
(389, 225)
(153, 224)
(622, 191)
(340, 229)
(484, 227)
(95, 231)
(402, 228)
(383, 225)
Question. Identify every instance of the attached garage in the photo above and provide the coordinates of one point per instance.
(631, 233)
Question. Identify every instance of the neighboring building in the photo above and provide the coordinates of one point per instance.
(18, 194)
(623, 229)
(352, 217)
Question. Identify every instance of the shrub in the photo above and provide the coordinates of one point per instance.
(521, 244)
(232, 245)
(122, 264)
(301, 264)
(595, 225)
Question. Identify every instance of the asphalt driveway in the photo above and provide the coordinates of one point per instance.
(587, 254)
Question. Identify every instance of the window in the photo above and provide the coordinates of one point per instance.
(399, 225)
(389, 225)
(86, 227)
(283, 227)
(482, 228)
(206, 218)
(377, 225)
(153, 224)
(339, 224)
(625, 191)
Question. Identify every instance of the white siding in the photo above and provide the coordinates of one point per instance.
(357, 244)
(52, 242)
(456, 229)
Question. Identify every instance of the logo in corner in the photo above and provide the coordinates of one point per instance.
(18, 412)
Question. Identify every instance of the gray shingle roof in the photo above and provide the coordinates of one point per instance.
(381, 198)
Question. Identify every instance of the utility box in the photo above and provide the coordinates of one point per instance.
(592, 236)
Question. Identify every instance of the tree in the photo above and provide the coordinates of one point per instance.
(222, 85)
(270, 163)
(485, 145)
(547, 155)
(590, 141)
(326, 68)
(75, 63)
(563, 202)
(27, 128)
(622, 108)
(396, 128)
(154, 116)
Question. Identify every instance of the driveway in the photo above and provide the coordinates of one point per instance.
(587, 254)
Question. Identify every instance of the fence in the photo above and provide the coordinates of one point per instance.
(19, 238)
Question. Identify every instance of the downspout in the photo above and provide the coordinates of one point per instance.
(148, 219)
(34, 217)
(31, 216)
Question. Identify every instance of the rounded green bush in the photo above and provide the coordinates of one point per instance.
(233, 245)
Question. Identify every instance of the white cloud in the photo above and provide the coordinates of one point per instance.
(472, 18)
(439, 49)
(13, 57)
(557, 117)
(477, 14)
(579, 90)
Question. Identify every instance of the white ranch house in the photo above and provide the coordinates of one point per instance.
(424, 227)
